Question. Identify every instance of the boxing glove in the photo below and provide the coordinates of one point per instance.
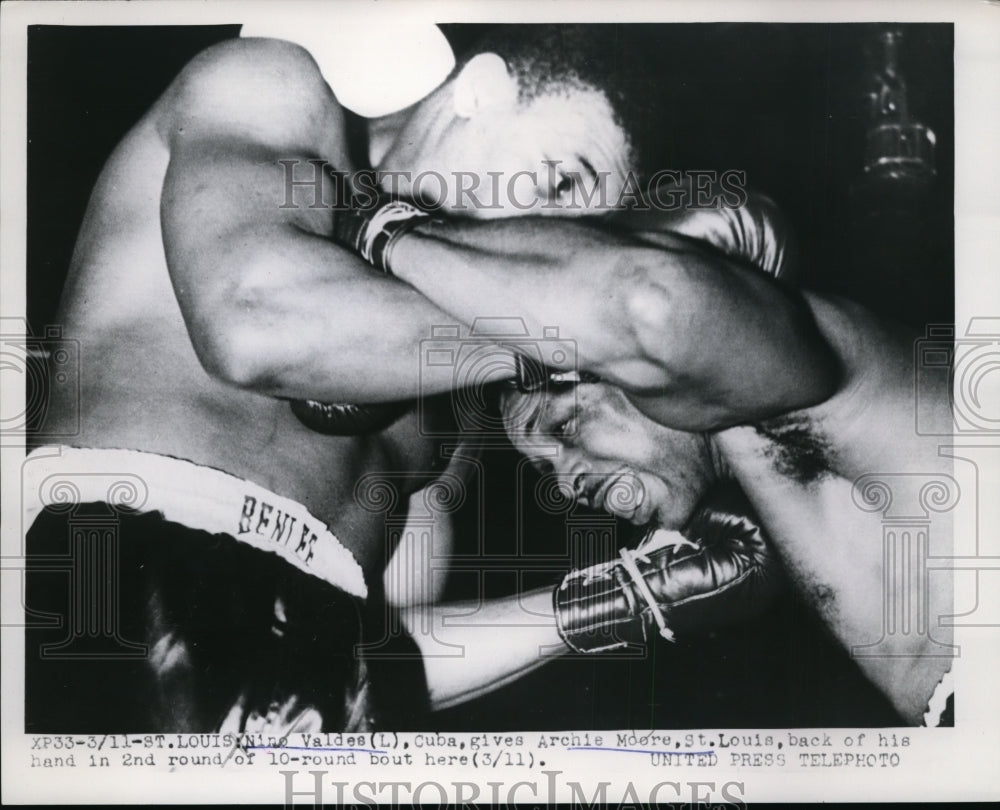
(755, 231)
(346, 419)
(718, 570)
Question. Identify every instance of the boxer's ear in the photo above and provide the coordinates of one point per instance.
(483, 83)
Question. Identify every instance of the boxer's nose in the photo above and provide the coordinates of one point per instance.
(571, 464)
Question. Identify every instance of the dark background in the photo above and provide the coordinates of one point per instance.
(786, 103)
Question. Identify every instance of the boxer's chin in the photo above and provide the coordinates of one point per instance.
(644, 514)
(655, 505)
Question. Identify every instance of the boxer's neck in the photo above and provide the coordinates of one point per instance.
(382, 133)
(397, 140)
(721, 470)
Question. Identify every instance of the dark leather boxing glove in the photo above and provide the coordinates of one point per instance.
(720, 570)
(345, 419)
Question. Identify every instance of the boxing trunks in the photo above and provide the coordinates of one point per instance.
(166, 596)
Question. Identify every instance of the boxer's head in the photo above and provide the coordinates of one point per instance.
(532, 112)
(610, 455)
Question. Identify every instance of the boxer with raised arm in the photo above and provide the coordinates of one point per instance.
(709, 377)
(222, 325)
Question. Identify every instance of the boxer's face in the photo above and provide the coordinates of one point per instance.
(478, 150)
(610, 455)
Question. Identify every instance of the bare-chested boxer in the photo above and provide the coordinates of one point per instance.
(683, 418)
(205, 305)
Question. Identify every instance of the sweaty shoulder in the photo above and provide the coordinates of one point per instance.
(265, 91)
(868, 423)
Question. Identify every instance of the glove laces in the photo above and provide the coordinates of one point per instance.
(654, 541)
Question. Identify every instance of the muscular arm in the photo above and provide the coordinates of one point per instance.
(471, 649)
(871, 586)
(417, 571)
(273, 306)
(698, 340)
(270, 303)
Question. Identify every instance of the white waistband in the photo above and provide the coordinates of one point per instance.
(192, 495)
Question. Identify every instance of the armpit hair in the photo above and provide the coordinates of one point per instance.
(797, 449)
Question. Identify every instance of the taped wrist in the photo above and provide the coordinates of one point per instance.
(596, 611)
(372, 227)
(720, 571)
(610, 605)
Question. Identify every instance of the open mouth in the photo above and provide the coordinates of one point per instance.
(619, 493)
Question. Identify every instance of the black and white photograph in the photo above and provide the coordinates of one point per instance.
(535, 407)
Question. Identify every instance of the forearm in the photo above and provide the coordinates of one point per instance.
(721, 571)
(698, 340)
(334, 334)
(733, 346)
(471, 649)
(416, 573)
(548, 273)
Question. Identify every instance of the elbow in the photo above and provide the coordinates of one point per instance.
(647, 307)
(234, 316)
(234, 348)
(226, 354)
(652, 313)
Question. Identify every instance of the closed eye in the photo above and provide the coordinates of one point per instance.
(566, 428)
(560, 417)
(564, 185)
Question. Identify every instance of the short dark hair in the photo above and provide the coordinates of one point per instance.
(560, 57)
